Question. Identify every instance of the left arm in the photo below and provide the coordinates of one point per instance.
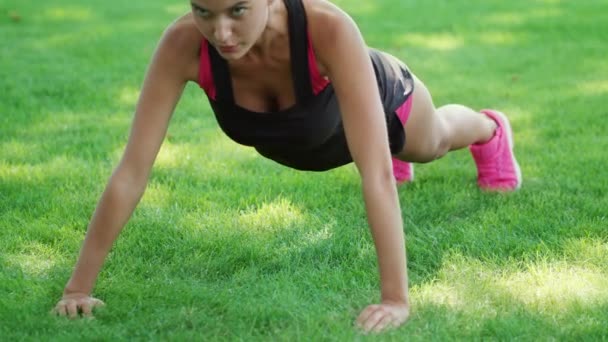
(341, 49)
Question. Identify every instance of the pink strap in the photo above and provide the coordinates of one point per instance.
(318, 82)
(205, 77)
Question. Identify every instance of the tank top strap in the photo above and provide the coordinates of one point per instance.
(298, 48)
(221, 76)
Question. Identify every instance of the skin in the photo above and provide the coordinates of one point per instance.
(252, 35)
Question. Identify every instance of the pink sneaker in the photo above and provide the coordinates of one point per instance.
(403, 171)
(497, 168)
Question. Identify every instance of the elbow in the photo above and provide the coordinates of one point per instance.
(381, 178)
(129, 182)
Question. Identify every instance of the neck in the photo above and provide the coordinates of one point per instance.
(276, 29)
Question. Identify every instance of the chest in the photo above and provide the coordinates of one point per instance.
(265, 84)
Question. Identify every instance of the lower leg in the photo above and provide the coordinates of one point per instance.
(464, 126)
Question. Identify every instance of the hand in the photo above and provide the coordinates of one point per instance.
(72, 304)
(383, 316)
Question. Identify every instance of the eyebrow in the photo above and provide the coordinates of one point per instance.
(240, 3)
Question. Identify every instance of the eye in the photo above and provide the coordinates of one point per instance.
(238, 11)
(201, 12)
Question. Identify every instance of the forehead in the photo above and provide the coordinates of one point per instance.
(219, 4)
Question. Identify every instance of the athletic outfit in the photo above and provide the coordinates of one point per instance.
(309, 135)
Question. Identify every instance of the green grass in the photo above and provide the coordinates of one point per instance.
(226, 245)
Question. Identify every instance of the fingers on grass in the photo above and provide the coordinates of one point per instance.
(373, 319)
(97, 302)
(89, 305)
(61, 309)
(366, 314)
(55, 311)
(387, 321)
(87, 309)
(72, 309)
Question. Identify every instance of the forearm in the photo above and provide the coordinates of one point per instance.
(384, 216)
(113, 211)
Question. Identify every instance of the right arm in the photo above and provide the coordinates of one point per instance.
(166, 77)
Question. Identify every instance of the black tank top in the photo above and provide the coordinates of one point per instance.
(309, 135)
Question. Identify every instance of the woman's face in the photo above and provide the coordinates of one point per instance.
(231, 26)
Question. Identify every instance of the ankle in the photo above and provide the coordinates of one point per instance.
(490, 127)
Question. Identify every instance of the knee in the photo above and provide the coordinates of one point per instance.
(429, 147)
(435, 148)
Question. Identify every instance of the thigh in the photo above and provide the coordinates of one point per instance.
(423, 129)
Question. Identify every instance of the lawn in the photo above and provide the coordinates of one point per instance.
(226, 245)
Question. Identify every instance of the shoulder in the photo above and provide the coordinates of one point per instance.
(333, 33)
(180, 45)
(182, 34)
(326, 20)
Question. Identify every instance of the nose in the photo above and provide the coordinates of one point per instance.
(222, 30)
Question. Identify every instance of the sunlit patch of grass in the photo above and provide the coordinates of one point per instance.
(129, 95)
(556, 287)
(69, 13)
(591, 88)
(15, 150)
(177, 9)
(588, 251)
(35, 260)
(55, 167)
(498, 38)
(547, 288)
(270, 217)
(439, 42)
(507, 18)
(172, 155)
(156, 196)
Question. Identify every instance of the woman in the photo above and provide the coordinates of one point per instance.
(295, 80)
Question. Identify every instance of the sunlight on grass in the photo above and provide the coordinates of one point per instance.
(177, 9)
(544, 13)
(217, 152)
(556, 287)
(505, 18)
(587, 251)
(553, 287)
(363, 7)
(271, 216)
(171, 156)
(590, 88)
(498, 38)
(14, 150)
(36, 260)
(549, 1)
(314, 237)
(129, 95)
(440, 42)
(25, 173)
(213, 155)
(518, 18)
(156, 196)
(68, 13)
(438, 294)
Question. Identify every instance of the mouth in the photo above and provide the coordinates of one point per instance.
(228, 48)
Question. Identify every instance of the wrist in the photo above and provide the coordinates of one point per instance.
(400, 299)
(71, 288)
(395, 294)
